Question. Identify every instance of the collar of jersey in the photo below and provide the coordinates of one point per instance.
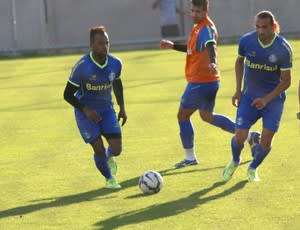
(268, 45)
(97, 64)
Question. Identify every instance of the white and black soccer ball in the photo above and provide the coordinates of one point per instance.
(150, 182)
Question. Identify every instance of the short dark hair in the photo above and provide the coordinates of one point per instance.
(268, 14)
(201, 3)
(96, 30)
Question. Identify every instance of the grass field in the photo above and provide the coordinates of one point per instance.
(48, 177)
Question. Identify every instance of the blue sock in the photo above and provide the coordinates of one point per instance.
(224, 123)
(236, 150)
(102, 165)
(258, 156)
(186, 134)
(253, 152)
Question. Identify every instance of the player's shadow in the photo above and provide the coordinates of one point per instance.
(168, 209)
(103, 193)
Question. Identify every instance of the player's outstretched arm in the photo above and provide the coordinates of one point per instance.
(167, 44)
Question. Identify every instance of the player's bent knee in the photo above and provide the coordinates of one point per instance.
(179, 116)
(116, 151)
(183, 116)
(99, 150)
(240, 140)
(266, 145)
(207, 117)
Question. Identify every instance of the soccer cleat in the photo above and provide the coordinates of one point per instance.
(254, 139)
(112, 183)
(112, 165)
(186, 163)
(229, 170)
(252, 175)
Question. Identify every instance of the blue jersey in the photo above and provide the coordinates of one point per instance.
(206, 35)
(263, 63)
(95, 81)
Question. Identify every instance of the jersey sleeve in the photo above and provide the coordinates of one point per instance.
(74, 78)
(241, 49)
(287, 57)
(205, 36)
(118, 74)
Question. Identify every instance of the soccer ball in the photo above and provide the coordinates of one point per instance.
(150, 182)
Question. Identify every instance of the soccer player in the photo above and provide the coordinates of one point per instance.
(89, 91)
(202, 75)
(264, 62)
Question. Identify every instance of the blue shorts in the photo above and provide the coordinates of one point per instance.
(200, 96)
(247, 115)
(90, 131)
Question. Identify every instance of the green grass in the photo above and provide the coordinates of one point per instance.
(48, 177)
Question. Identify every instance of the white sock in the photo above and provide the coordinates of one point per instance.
(249, 136)
(107, 153)
(190, 154)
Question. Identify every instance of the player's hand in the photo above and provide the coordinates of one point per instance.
(166, 44)
(91, 114)
(259, 103)
(236, 98)
(122, 114)
(213, 68)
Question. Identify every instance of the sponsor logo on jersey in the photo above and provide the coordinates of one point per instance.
(100, 87)
(263, 67)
